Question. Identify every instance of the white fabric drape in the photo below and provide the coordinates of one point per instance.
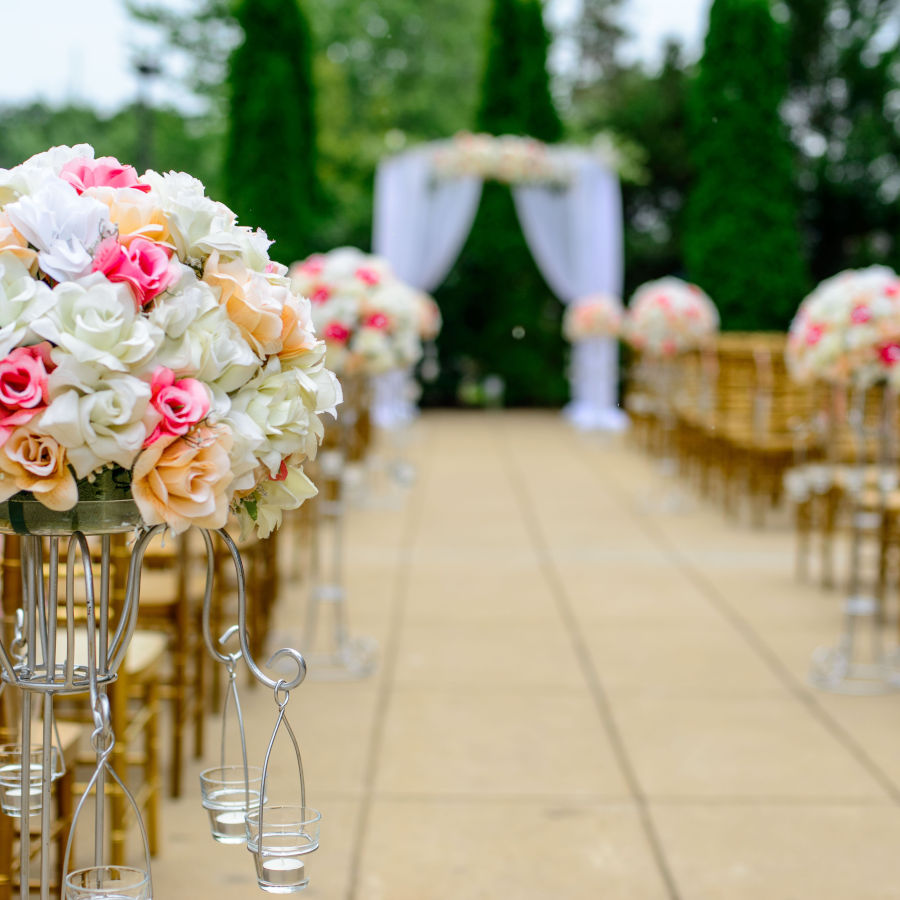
(421, 223)
(574, 233)
(575, 236)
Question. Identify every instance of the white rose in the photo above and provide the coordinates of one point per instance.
(197, 224)
(38, 170)
(98, 420)
(212, 349)
(96, 322)
(283, 406)
(272, 498)
(183, 304)
(22, 300)
(64, 226)
(248, 438)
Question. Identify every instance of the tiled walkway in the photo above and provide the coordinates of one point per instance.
(577, 697)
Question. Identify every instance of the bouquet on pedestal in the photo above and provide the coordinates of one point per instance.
(669, 316)
(595, 316)
(369, 319)
(848, 329)
(148, 342)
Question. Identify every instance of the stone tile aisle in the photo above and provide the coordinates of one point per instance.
(576, 698)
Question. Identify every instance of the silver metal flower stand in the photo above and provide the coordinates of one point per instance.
(860, 662)
(337, 655)
(70, 642)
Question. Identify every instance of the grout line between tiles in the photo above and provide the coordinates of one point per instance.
(413, 516)
(752, 638)
(598, 693)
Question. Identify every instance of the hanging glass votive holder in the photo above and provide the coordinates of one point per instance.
(228, 792)
(279, 837)
(11, 779)
(108, 883)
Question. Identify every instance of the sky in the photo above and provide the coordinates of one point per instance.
(45, 62)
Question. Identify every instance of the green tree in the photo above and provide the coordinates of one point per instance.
(499, 316)
(270, 150)
(742, 239)
(844, 116)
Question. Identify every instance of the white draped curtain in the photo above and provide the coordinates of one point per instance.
(574, 233)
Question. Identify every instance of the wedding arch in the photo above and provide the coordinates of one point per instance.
(568, 202)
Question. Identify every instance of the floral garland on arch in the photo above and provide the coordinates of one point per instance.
(513, 159)
(848, 329)
(147, 340)
(669, 316)
(370, 320)
(595, 316)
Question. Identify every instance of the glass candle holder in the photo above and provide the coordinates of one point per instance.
(11, 779)
(224, 792)
(288, 833)
(108, 883)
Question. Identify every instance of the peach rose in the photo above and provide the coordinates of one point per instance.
(250, 302)
(298, 336)
(13, 242)
(134, 214)
(183, 481)
(35, 462)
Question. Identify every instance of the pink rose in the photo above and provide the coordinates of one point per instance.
(814, 335)
(180, 403)
(106, 171)
(313, 266)
(320, 295)
(337, 333)
(23, 387)
(143, 265)
(378, 321)
(861, 314)
(892, 290)
(890, 354)
(367, 276)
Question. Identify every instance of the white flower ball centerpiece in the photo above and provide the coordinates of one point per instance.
(668, 317)
(150, 349)
(370, 320)
(847, 331)
(595, 316)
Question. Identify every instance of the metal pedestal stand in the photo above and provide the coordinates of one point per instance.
(82, 655)
(851, 667)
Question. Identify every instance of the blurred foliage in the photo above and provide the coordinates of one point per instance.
(270, 151)
(183, 143)
(391, 73)
(500, 319)
(741, 238)
(649, 110)
(843, 109)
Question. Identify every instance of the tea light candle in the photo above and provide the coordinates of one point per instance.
(12, 799)
(283, 870)
(231, 822)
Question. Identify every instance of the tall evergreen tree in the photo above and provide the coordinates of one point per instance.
(742, 241)
(271, 143)
(499, 316)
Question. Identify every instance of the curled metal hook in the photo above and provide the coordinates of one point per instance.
(285, 652)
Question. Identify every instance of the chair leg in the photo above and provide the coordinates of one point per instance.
(151, 752)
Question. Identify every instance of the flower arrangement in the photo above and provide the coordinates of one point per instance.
(148, 342)
(669, 316)
(598, 315)
(509, 158)
(369, 319)
(848, 329)
(430, 319)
